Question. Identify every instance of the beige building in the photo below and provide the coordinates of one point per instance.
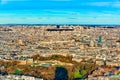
(82, 46)
(29, 61)
(20, 42)
(99, 62)
(91, 43)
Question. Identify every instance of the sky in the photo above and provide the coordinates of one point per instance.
(59, 11)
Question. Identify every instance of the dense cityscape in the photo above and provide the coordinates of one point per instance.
(59, 39)
(59, 52)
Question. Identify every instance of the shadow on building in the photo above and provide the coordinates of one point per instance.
(61, 74)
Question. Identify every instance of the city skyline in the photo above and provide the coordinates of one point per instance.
(59, 12)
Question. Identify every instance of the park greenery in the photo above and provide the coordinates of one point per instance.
(77, 70)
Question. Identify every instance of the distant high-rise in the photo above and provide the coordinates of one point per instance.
(100, 39)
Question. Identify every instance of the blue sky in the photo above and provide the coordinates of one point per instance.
(60, 11)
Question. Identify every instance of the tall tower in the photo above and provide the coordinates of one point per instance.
(104, 61)
(100, 39)
(91, 43)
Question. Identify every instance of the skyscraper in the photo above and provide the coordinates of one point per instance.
(100, 39)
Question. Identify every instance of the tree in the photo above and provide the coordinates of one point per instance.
(61, 73)
(17, 72)
(77, 74)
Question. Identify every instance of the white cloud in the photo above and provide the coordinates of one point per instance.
(105, 4)
(6, 1)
